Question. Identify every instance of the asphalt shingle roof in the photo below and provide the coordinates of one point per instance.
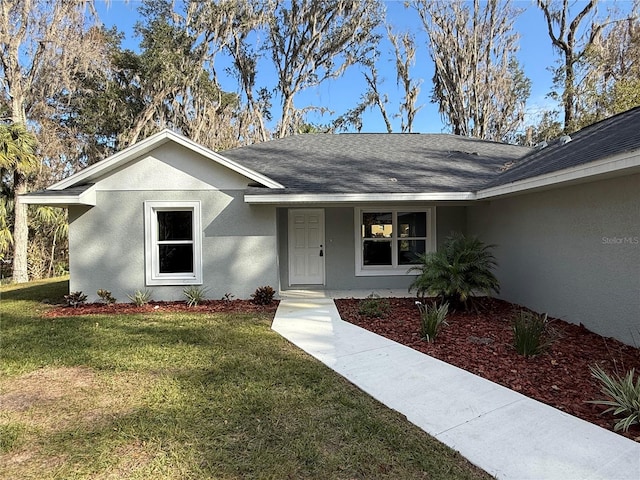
(417, 163)
(377, 163)
(612, 136)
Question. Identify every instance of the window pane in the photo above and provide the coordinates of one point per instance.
(176, 258)
(377, 253)
(175, 225)
(377, 225)
(408, 251)
(412, 224)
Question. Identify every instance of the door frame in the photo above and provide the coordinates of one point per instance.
(290, 235)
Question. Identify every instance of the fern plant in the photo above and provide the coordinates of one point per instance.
(623, 396)
(462, 267)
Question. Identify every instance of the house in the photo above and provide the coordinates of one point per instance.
(353, 212)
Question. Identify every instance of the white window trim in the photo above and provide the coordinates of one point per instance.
(380, 270)
(152, 261)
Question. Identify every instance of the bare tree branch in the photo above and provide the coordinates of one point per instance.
(478, 83)
(313, 41)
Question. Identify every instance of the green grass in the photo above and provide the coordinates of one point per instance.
(188, 396)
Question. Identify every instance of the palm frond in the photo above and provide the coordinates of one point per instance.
(459, 269)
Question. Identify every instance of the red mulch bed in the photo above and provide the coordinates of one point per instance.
(208, 306)
(481, 343)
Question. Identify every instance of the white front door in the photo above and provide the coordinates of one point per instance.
(306, 246)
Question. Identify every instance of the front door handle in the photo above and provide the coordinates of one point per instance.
(321, 251)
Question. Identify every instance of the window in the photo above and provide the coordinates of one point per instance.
(173, 253)
(389, 241)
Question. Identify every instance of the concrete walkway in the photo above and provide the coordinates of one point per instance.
(501, 431)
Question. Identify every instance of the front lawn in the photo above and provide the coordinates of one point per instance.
(187, 395)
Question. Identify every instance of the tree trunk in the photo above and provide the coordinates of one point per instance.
(569, 97)
(53, 253)
(20, 231)
(286, 118)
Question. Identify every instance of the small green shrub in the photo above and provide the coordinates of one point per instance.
(263, 295)
(73, 299)
(373, 306)
(140, 297)
(227, 297)
(106, 297)
(457, 271)
(623, 396)
(432, 317)
(531, 334)
(195, 295)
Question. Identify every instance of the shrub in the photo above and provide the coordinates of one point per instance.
(623, 396)
(263, 295)
(530, 333)
(73, 299)
(106, 297)
(195, 295)
(140, 297)
(227, 297)
(454, 273)
(373, 306)
(432, 317)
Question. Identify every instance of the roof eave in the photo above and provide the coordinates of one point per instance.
(354, 198)
(87, 198)
(615, 166)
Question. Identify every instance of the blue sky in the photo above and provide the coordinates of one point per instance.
(535, 56)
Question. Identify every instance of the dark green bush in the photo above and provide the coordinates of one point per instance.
(462, 267)
(263, 295)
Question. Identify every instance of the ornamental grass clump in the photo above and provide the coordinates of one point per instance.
(195, 295)
(531, 334)
(432, 317)
(456, 272)
(623, 396)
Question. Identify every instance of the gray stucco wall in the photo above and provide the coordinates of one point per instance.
(340, 248)
(107, 244)
(573, 253)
